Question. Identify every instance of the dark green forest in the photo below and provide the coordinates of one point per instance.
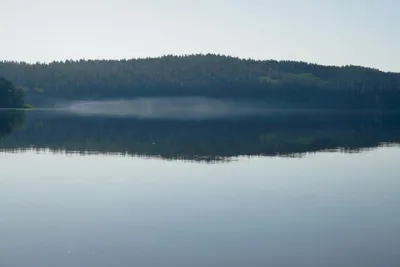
(206, 140)
(10, 96)
(291, 83)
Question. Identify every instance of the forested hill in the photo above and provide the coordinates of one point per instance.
(297, 83)
(10, 96)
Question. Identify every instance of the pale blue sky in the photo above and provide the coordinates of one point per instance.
(337, 32)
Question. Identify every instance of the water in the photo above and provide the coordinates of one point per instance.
(279, 191)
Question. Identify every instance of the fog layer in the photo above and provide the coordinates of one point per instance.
(167, 107)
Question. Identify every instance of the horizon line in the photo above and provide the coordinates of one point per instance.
(191, 55)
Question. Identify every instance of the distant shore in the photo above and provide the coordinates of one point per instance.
(294, 84)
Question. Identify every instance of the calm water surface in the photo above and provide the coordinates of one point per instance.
(314, 209)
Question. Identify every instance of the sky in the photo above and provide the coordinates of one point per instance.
(329, 32)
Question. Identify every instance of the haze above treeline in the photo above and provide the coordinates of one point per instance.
(280, 83)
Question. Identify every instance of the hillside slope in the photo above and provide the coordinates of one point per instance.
(297, 83)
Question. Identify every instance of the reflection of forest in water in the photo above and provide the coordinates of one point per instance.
(9, 121)
(280, 134)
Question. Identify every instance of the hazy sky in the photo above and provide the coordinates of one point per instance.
(339, 32)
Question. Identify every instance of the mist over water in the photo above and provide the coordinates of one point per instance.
(192, 108)
(166, 107)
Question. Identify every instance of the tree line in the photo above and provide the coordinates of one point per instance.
(299, 83)
(10, 96)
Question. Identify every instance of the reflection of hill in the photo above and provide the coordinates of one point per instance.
(9, 120)
(207, 140)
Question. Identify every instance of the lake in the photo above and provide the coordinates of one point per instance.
(313, 189)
